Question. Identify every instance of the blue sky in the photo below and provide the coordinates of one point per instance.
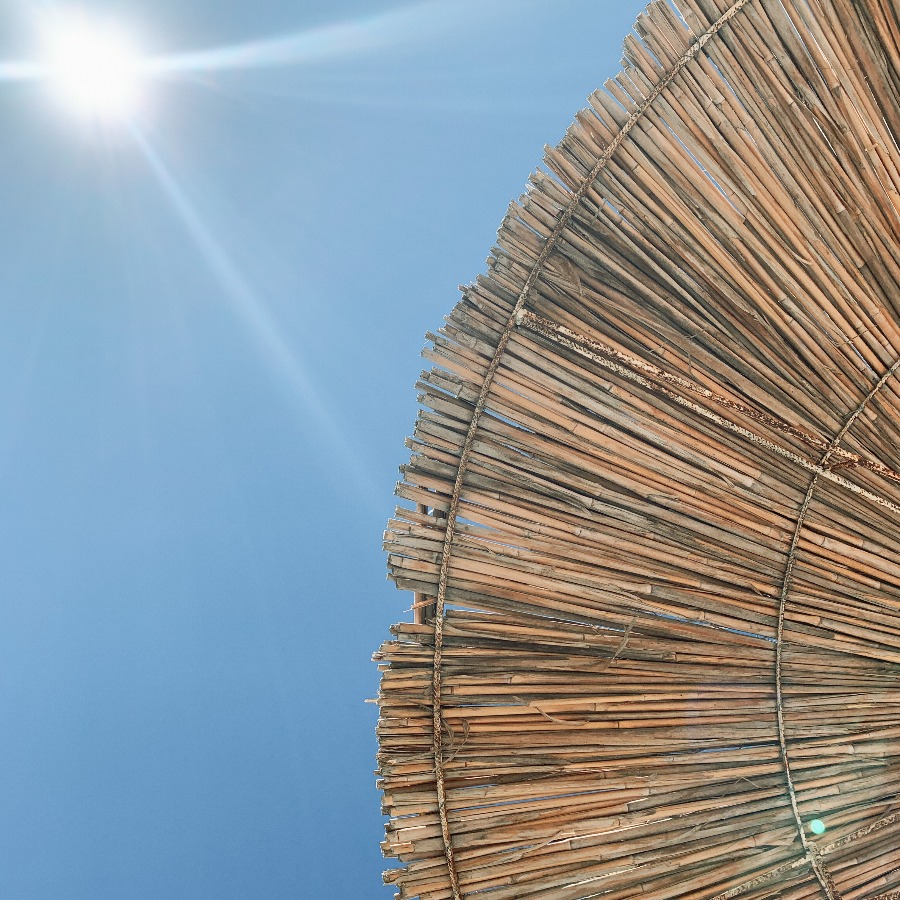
(210, 325)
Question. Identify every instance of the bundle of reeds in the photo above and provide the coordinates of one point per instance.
(655, 491)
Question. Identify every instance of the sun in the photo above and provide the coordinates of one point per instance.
(94, 68)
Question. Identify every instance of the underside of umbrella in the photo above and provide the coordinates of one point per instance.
(651, 511)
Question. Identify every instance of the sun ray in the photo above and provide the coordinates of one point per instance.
(412, 22)
(253, 313)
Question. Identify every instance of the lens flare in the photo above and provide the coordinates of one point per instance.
(94, 68)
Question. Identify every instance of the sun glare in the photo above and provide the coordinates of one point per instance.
(95, 69)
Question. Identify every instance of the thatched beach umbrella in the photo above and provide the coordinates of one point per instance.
(655, 490)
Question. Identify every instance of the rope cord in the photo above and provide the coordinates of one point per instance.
(655, 379)
(654, 373)
(823, 852)
(812, 851)
(562, 223)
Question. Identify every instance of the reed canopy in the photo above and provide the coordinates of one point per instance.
(651, 515)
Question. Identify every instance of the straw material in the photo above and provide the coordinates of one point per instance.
(655, 489)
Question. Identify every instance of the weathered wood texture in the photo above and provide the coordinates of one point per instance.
(668, 632)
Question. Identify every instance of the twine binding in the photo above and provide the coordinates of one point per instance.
(655, 379)
(812, 851)
(554, 236)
